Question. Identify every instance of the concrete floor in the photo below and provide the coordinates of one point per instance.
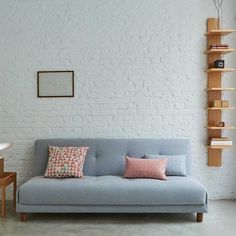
(220, 221)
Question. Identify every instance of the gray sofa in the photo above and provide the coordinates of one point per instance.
(103, 189)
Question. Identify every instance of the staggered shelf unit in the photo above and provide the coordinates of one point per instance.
(215, 89)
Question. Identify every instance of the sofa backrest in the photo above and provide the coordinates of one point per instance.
(106, 156)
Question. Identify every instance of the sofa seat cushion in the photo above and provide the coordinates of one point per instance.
(112, 190)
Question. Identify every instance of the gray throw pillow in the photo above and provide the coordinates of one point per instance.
(176, 164)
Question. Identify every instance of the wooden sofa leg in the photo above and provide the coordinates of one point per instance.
(199, 217)
(23, 216)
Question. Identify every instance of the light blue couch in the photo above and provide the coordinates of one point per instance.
(103, 189)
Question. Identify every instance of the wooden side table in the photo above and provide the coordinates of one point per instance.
(6, 179)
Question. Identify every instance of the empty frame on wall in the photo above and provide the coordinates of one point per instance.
(51, 84)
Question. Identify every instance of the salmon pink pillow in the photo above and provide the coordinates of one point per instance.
(65, 162)
(145, 168)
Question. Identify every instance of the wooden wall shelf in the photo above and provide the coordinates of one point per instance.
(221, 89)
(214, 90)
(217, 127)
(219, 147)
(219, 51)
(220, 70)
(219, 32)
(220, 108)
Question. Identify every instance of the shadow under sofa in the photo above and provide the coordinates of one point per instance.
(103, 189)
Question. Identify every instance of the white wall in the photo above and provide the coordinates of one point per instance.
(138, 69)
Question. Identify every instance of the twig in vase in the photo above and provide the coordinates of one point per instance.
(218, 5)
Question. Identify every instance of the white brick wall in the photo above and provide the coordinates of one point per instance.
(138, 73)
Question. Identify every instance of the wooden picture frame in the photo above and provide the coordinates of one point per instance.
(53, 84)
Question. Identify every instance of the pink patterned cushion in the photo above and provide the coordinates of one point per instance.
(145, 168)
(65, 162)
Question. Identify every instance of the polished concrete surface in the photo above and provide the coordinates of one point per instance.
(220, 221)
